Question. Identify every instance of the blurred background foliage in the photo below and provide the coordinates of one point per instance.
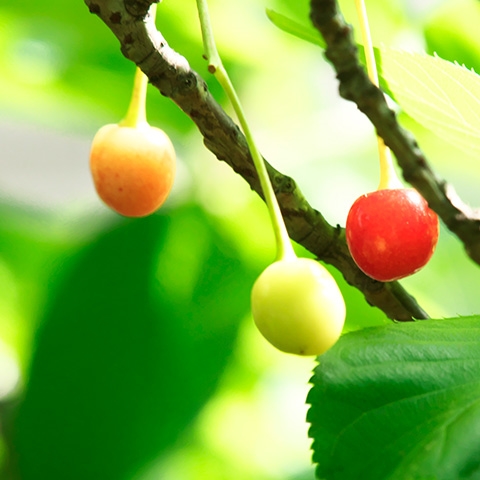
(126, 346)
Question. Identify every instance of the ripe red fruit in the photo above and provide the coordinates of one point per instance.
(391, 233)
(133, 168)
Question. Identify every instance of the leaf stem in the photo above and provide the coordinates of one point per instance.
(215, 66)
(388, 175)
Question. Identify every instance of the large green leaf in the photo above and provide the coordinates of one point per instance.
(399, 402)
(125, 358)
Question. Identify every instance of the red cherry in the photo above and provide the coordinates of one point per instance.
(391, 233)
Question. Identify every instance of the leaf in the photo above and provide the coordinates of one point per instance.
(123, 362)
(399, 402)
(311, 35)
(294, 28)
(442, 96)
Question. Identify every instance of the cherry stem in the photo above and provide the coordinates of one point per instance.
(215, 66)
(136, 116)
(388, 175)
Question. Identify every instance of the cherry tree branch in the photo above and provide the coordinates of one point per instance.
(170, 72)
(355, 85)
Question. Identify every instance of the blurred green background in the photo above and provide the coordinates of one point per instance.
(126, 346)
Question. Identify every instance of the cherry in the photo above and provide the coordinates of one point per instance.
(296, 303)
(133, 168)
(391, 233)
(298, 307)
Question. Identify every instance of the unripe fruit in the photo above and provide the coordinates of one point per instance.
(391, 233)
(133, 168)
(298, 307)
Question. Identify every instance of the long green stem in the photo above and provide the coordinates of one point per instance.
(388, 175)
(284, 246)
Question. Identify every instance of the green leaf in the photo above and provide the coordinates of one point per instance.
(399, 402)
(294, 28)
(442, 96)
(123, 361)
(311, 35)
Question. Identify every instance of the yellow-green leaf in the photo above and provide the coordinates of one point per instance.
(442, 96)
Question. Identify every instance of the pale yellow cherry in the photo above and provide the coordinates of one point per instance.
(298, 307)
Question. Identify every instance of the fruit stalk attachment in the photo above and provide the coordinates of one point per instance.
(136, 116)
(133, 164)
(388, 175)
